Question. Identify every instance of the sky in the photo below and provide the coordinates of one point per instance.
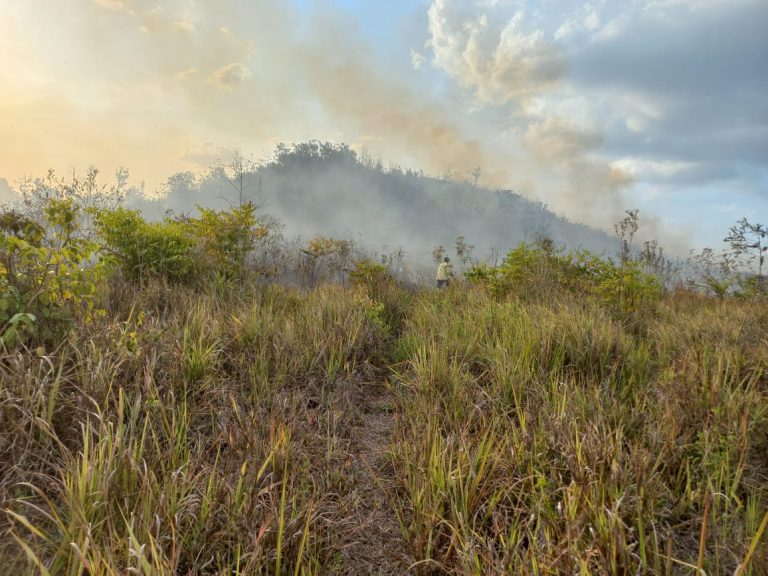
(592, 108)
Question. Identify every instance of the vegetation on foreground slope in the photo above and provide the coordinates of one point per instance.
(556, 416)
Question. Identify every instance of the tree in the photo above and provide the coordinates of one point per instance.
(464, 251)
(750, 240)
(476, 173)
(625, 231)
(652, 259)
(85, 194)
(330, 253)
(438, 254)
(242, 176)
(714, 271)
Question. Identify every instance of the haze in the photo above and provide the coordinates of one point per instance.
(592, 108)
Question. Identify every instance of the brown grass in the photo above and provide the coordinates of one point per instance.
(264, 430)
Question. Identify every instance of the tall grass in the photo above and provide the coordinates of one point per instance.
(545, 438)
(210, 431)
(189, 438)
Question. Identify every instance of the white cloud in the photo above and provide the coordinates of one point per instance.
(231, 75)
(511, 61)
(584, 20)
(639, 111)
(613, 28)
(592, 21)
(417, 60)
(566, 29)
(644, 167)
(502, 61)
(690, 5)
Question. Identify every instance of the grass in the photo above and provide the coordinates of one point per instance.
(546, 438)
(194, 431)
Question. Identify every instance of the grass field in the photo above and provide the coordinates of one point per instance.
(261, 429)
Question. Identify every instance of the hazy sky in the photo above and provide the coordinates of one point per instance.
(593, 108)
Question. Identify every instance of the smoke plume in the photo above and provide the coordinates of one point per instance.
(167, 87)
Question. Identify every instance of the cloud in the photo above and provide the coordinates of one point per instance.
(688, 5)
(569, 101)
(184, 25)
(186, 74)
(417, 59)
(505, 58)
(501, 60)
(687, 82)
(231, 75)
(585, 20)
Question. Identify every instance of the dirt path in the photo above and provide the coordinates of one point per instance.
(375, 546)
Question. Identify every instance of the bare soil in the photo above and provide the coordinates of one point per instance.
(374, 545)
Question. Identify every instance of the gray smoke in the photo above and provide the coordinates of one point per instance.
(324, 190)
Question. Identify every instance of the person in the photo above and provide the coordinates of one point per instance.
(444, 273)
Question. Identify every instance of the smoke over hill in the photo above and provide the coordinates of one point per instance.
(327, 189)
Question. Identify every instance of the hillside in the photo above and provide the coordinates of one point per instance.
(325, 189)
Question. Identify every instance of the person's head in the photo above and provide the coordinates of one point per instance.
(446, 259)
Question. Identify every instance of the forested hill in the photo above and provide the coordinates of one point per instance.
(327, 189)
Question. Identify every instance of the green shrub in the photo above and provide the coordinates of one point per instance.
(146, 249)
(46, 277)
(527, 269)
(368, 273)
(539, 270)
(625, 289)
(225, 238)
(395, 301)
(181, 249)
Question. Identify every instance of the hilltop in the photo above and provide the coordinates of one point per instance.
(327, 189)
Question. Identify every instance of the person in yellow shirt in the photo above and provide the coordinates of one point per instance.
(444, 273)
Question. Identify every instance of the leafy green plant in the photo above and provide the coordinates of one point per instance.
(625, 289)
(367, 273)
(182, 249)
(47, 273)
(751, 240)
(226, 237)
(146, 249)
(536, 271)
(324, 258)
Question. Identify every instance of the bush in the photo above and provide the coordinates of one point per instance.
(181, 249)
(624, 289)
(541, 271)
(146, 249)
(46, 277)
(368, 273)
(225, 238)
(530, 270)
